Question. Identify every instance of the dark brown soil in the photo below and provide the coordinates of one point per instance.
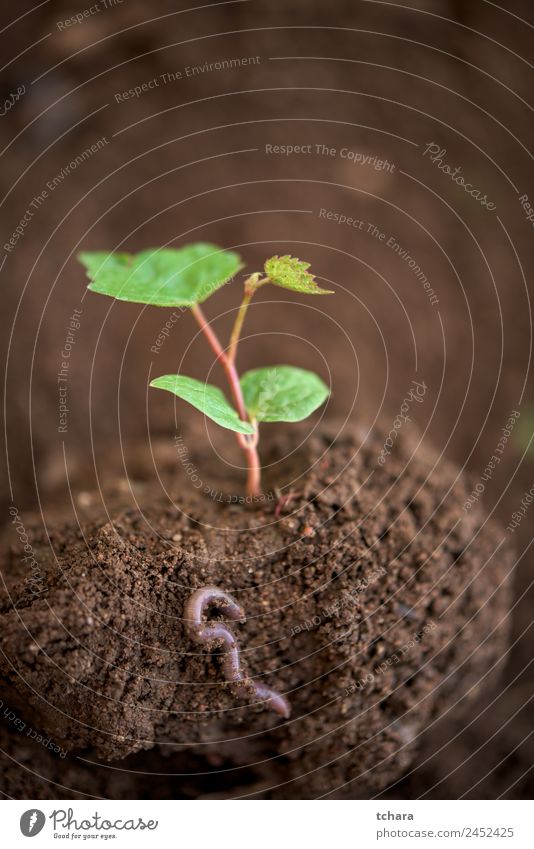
(373, 602)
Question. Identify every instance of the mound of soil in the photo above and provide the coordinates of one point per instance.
(372, 601)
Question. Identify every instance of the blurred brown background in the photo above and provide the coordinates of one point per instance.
(186, 160)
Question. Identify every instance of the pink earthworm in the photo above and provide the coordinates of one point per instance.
(219, 635)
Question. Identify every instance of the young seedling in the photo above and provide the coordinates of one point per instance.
(188, 276)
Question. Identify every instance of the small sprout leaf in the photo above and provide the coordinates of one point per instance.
(282, 393)
(292, 273)
(206, 398)
(166, 277)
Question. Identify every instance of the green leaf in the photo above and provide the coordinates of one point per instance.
(282, 393)
(206, 398)
(292, 273)
(166, 277)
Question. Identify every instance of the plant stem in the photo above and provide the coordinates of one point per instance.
(229, 368)
(247, 442)
(252, 283)
(254, 471)
(236, 332)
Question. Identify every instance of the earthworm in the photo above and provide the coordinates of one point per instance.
(218, 634)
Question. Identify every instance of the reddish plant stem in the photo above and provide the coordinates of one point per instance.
(229, 368)
(246, 442)
(254, 471)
